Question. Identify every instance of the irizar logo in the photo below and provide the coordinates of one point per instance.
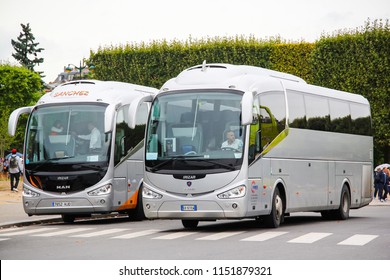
(189, 177)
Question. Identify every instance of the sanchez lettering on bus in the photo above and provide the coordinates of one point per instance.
(71, 93)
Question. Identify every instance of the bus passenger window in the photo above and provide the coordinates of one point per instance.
(255, 134)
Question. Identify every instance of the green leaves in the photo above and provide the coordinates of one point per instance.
(26, 47)
(159, 61)
(19, 87)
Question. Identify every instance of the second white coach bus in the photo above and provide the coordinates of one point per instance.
(297, 147)
(80, 156)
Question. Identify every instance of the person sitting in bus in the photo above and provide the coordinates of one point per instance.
(94, 137)
(57, 128)
(231, 141)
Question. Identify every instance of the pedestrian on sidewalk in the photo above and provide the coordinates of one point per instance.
(386, 187)
(15, 168)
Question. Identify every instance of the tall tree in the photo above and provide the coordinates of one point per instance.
(27, 49)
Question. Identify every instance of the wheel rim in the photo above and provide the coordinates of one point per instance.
(345, 203)
(278, 207)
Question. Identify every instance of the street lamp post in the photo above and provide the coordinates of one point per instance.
(80, 68)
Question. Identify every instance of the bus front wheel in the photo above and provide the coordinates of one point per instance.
(68, 218)
(190, 223)
(137, 214)
(275, 218)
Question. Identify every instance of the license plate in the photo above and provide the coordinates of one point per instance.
(61, 204)
(188, 208)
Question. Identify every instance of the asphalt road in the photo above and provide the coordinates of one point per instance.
(303, 236)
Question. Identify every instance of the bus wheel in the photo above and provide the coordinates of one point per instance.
(137, 214)
(68, 218)
(342, 213)
(345, 203)
(190, 223)
(275, 218)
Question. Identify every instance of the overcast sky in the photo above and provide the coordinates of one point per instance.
(69, 29)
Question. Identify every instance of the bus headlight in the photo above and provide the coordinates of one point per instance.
(233, 193)
(147, 193)
(30, 193)
(106, 189)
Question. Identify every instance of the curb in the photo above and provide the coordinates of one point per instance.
(56, 220)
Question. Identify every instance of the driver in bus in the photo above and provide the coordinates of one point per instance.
(231, 141)
(94, 137)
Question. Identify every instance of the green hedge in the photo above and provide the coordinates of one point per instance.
(155, 63)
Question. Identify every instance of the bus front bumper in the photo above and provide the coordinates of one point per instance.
(66, 205)
(194, 209)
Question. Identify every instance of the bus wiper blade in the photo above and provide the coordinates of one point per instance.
(87, 166)
(49, 160)
(172, 159)
(227, 166)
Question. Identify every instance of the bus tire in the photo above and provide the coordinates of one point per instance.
(190, 223)
(68, 218)
(345, 204)
(275, 218)
(137, 214)
(342, 213)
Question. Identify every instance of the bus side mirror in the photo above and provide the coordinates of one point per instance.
(13, 119)
(246, 108)
(135, 104)
(108, 116)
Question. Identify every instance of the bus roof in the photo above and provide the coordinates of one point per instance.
(220, 75)
(248, 78)
(95, 91)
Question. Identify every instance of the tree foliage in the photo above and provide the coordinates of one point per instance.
(26, 49)
(19, 87)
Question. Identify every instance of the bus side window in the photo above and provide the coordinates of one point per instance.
(255, 134)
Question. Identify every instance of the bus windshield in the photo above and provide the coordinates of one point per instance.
(63, 135)
(195, 130)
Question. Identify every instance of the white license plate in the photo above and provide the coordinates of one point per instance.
(61, 204)
(188, 208)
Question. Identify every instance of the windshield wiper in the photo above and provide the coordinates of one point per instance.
(47, 161)
(227, 166)
(194, 158)
(88, 166)
(172, 159)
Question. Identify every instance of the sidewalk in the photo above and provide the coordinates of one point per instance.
(12, 212)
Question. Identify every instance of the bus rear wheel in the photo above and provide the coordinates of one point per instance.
(190, 223)
(275, 218)
(345, 204)
(342, 213)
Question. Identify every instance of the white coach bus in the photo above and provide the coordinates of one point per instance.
(297, 147)
(80, 156)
